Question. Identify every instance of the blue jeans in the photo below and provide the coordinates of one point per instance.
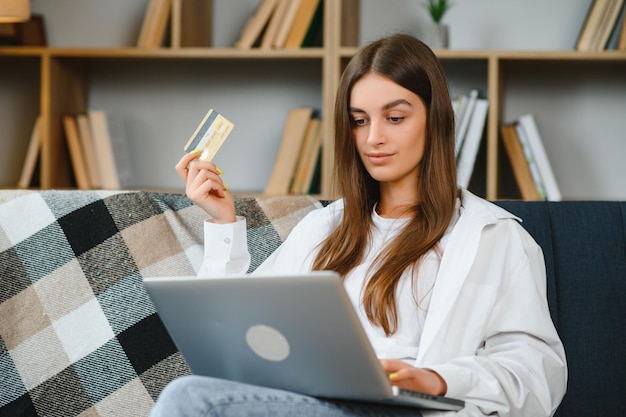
(198, 396)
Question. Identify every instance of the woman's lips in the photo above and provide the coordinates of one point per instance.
(379, 158)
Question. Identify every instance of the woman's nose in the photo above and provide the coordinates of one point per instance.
(376, 133)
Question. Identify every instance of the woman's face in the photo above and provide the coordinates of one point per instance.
(389, 127)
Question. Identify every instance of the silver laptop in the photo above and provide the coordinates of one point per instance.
(297, 333)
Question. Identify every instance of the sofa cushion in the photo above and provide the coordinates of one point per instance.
(584, 243)
(78, 333)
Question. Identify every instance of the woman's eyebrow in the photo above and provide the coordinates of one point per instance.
(387, 106)
(395, 103)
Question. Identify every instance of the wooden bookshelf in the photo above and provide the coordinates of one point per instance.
(64, 78)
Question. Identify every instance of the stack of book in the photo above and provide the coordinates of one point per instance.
(154, 25)
(529, 160)
(184, 23)
(289, 24)
(98, 151)
(297, 164)
(604, 27)
(470, 112)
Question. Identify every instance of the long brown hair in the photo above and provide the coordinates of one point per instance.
(411, 64)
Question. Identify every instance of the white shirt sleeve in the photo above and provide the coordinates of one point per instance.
(225, 248)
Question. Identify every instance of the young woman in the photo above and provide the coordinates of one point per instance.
(450, 288)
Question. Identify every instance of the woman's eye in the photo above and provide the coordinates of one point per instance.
(396, 119)
(359, 122)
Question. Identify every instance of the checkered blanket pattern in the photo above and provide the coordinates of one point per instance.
(78, 334)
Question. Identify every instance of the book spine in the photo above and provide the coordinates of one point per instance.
(467, 158)
(540, 155)
(86, 140)
(104, 149)
(289, 148)
(274, 24)
(466, 116)
(532, 163)
(621, 44)
(521, 170)
(591, 25)
(76, 152)
(301, 23)
(32, 156)
(285, 27)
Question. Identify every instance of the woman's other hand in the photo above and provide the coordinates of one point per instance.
(204, 186)
(405, 376)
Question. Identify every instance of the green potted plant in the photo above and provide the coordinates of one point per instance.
(437, 9)
(436, 35)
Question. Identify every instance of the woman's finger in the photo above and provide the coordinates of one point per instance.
(182, 167)
(196, 165)
(203, 182)
(393, 365)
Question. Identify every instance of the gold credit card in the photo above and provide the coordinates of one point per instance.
(209, 135)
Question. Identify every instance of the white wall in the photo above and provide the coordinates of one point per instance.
(580, 116)
(91, 23)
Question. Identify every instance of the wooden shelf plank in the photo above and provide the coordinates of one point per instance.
(187, 52)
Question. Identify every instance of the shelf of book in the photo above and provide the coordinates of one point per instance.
(66, 85)
(65, 70)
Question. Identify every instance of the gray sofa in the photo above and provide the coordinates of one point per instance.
(80, 337)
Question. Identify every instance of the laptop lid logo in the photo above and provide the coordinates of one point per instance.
(268, 343)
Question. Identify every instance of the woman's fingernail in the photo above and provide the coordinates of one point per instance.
(219, 171)
(225, 186)
(196, 151)
(393, 376)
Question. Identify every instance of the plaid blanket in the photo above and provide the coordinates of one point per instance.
(78, 334)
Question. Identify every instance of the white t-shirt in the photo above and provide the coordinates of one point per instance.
(413, 295)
